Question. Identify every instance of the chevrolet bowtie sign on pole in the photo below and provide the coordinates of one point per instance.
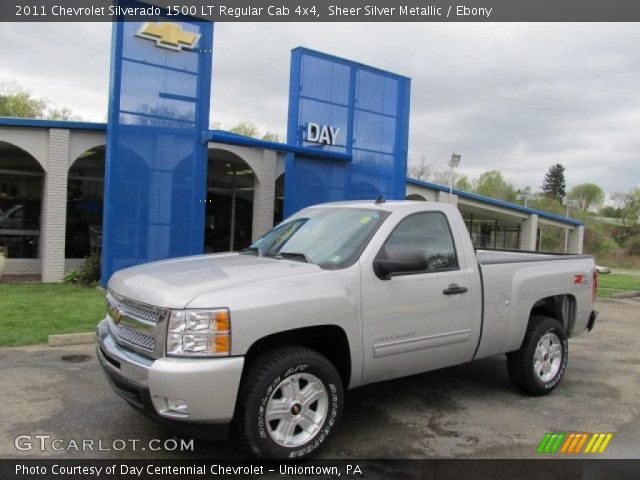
(169, 35)
(156, 168)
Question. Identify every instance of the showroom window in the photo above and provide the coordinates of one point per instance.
(21, 182)
(85, 196)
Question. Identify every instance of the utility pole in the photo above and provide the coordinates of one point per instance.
(453, 162)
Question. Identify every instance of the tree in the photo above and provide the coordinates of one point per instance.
(245, 128)
(463, 183)
(492, 184)
(270, 136)
(16, 102)
(443, 177)
(422, 171)
(554, 183)
(610, 212)
(628, 205)
(587, 195)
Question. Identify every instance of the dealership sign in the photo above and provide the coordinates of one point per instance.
(356, 113)
(323, 134)
(156, 158)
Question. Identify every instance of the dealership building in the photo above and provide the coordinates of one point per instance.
(155, 182)
(52, 197)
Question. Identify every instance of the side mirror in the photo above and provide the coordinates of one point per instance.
(399, 261)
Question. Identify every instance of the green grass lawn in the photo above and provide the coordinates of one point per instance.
(30, 313)
(615, 283)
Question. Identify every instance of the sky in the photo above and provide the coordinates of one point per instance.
(514, 97)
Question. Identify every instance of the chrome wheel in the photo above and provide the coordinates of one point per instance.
(547, 358)
(296, 410)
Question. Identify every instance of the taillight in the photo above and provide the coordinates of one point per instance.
(594, 290)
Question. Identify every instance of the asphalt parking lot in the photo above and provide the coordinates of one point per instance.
(469, 411)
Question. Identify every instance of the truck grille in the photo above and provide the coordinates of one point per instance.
(134, 309)
(136, 325)
(136, 338)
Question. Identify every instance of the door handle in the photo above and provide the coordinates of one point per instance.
(454, 289)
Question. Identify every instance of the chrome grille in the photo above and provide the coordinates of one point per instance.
(135, 310)
(136, 338)
(137, 326)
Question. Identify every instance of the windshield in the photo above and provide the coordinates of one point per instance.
(328, 237)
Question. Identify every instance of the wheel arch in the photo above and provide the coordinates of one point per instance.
(559, 307)
(328, 340)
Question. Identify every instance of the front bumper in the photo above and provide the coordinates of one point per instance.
(209, 386)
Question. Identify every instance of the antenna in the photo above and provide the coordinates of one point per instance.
(380, 200)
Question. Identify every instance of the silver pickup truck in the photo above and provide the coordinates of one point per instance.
(267, 340)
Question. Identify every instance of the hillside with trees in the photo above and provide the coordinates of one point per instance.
(612, 228)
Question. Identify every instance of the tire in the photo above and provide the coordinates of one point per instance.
(272, 409)
(538, 372)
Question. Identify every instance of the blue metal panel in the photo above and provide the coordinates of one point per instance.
(371, 109)
(156, 163)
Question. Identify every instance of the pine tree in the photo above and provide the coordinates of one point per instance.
(554, 183)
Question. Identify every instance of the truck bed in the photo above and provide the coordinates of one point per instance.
(490, 256)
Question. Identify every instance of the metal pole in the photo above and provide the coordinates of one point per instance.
(232, 234)
(451, 185)
(566, 234)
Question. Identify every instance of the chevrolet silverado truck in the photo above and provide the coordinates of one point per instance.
(267, 340)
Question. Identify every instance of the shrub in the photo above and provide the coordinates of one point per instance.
(597, 241)
(89, 272)
(71, 277)
(632, 245)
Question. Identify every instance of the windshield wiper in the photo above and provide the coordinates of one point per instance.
(294, 256)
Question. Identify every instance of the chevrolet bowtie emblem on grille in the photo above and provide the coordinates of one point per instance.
(116, 315)
(169, 35)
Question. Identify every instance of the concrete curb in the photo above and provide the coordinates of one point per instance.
(625, 295)
(71, 339)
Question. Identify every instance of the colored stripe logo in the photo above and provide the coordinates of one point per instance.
(556, 442)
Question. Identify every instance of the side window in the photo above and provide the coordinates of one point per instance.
(428, 232)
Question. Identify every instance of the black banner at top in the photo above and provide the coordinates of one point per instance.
(329, 10)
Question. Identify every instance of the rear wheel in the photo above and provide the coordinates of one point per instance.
(539, 365)
(290, 401)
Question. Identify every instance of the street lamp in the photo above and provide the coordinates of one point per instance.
(453, 162)
(526, 197)
(567, 203)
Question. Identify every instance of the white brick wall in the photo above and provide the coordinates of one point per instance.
(444, 197)
(529, 233)
(264, 195)
(54, 207)
(576, 239)
(22, 266)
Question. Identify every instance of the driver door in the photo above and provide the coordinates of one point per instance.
(415, 321)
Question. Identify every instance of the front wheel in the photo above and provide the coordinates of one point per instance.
(539, 365)
(290, 401)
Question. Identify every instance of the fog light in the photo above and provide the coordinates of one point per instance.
(178, 406)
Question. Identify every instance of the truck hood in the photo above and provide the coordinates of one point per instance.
(175, 283)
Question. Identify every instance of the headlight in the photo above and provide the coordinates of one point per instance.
(199, 333)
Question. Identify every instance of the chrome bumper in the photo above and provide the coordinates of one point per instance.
(208, 386)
